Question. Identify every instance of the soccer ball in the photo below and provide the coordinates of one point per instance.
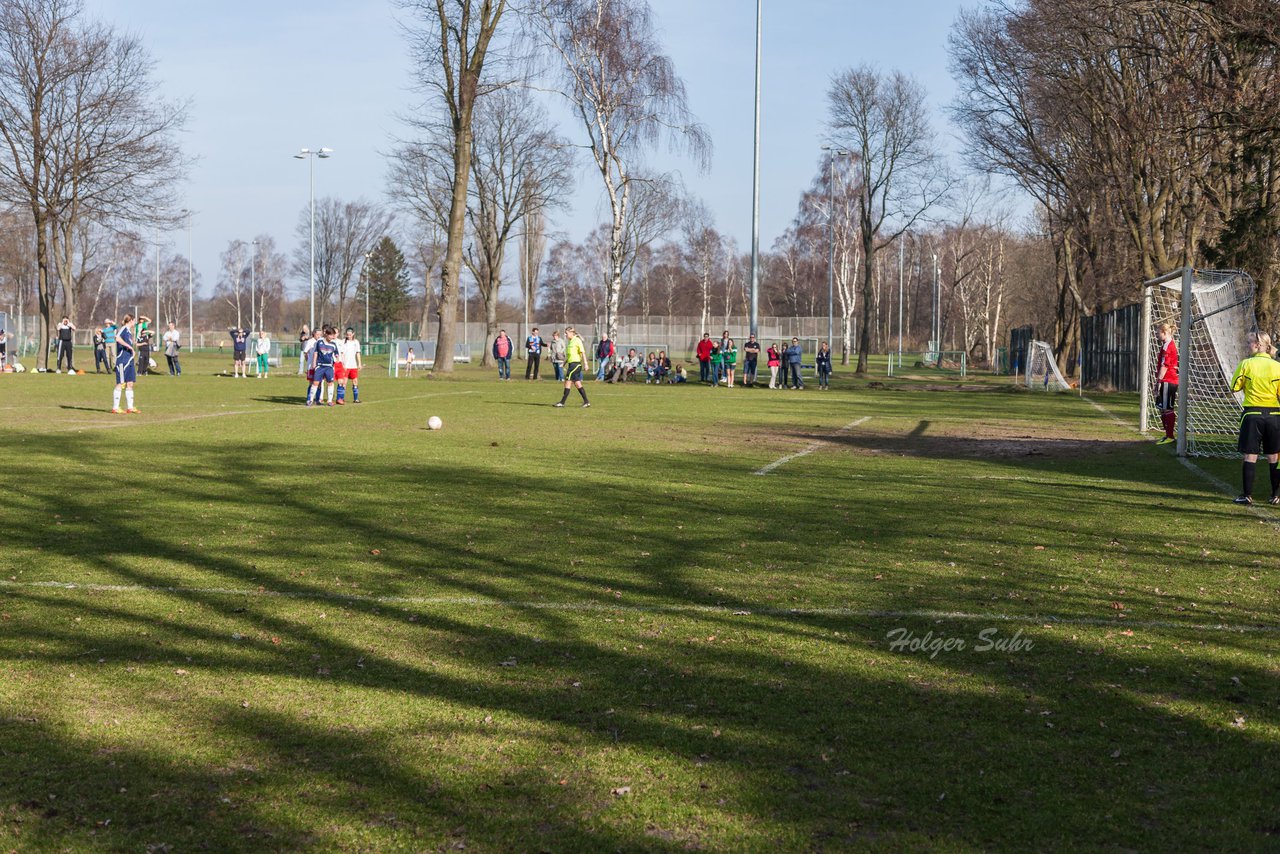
(434, 422)
(18, 368)
(151, 363)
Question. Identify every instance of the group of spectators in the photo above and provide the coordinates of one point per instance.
(717, 361)
(105, 348)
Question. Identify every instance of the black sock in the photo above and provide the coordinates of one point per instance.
(1275, 479)
(583, 392)
(565, 396)
(1247, 477)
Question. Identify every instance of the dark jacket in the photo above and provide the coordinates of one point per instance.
(511, 347)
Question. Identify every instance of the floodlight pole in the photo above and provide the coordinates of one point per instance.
(902, 247)
(191, 299)
(157, 317)
(253, 289)
(311, 155)
(364, 274)
(937, 309)
(753, 321)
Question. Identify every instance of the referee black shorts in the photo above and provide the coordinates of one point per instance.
(1259, 431)
(573, 372)
(1166, 396)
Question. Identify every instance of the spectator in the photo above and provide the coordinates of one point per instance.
(557, 355)
(604, 353)
(750, 356)
(4, 349)
(680, 376)
(145, 339)
(774, 356)
(171, 347)
(262, 351)
(794, 356)
(109, 338)
(704, 357)
(66, 345)
(730, 359)
(651, 374)
(304, 336)
(822, 361)
(502, 351)
(630, 364)
(664, 365)
(99, 352)
(717, 363)
(533, 354)
(240, 352)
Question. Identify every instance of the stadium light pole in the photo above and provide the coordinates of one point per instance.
(191, 299)
(253, 288)
(937, 308)
(311, 156)
(364, 269)
(753, 322)
(902, 257)
(832, 154)
(157, 317)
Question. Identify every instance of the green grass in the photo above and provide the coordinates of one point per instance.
(233, 623)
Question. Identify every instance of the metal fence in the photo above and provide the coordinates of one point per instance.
(1111, 349)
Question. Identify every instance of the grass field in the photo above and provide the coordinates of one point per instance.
(233, 623)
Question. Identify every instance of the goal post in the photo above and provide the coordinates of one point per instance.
(1042, 369)
(1212, 312)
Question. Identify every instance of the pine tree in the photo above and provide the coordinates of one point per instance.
(386, 276)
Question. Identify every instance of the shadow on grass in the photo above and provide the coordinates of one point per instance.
(801, 731)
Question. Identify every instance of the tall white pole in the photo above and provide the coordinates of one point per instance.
(191, 299)
(312, 163)
(902, 249)
(253, 289)
(831, 245)
(937, 305)
(754, 319)
(156, 319)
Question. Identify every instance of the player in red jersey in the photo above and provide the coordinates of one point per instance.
(1167, 383)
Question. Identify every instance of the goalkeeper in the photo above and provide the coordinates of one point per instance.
(1259, 378)
(1167, 383)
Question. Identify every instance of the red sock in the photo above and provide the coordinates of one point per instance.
(1170, 420)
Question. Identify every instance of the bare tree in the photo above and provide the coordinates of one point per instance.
(234, 278)
(883, 121)
(345, 233)
(533, 250)
(627, 95)
(450, 42)
(82, 131)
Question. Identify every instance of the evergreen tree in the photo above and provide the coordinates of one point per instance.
(386, 275)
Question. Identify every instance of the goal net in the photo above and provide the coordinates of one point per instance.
(1042, 369)
(1210, 327)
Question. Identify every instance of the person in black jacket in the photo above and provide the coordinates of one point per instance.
(66, 345)
(100, 351)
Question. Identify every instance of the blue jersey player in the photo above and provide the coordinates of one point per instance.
(323, 357)
(126, 366)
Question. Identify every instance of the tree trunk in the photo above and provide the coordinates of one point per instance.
(868, 259)
(452, 266)
(42, 289)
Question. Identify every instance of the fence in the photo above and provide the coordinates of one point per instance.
(1111, 349)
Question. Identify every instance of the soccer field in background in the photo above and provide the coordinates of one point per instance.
(905, 614)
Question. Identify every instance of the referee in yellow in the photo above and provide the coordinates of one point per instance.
(1259, 378)
(575, 358)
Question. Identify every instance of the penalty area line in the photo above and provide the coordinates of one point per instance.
(1047, 620)
(773, 466)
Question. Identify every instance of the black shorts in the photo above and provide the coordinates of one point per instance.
(1166, 396)
(1259, 429)
(573, 372)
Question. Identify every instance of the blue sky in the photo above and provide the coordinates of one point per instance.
(266, 78)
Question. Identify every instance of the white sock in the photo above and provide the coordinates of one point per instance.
(128, 397)
(332, 389)
(115, 398)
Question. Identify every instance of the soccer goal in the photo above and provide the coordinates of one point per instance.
(404, 357)
(1211, 313)
(1042, 369)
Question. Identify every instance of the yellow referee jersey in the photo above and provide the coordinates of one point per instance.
(574, 351)
(1259, 378)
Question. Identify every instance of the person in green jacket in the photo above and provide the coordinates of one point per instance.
(717, 364)
(730, 357)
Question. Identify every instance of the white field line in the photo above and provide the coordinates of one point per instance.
(1214, 481)
(809, 450)
(721, 610)
(128, 421)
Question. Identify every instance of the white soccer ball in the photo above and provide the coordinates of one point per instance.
(434, 422)
(151, 363)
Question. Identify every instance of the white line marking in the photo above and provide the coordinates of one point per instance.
(732, 610)
(1216, 482)
(809, 450)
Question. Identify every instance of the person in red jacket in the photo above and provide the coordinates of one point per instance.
(1167, 383)
(503, 349)
(704, 357)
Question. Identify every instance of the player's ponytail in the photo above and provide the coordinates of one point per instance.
(1260, 342)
